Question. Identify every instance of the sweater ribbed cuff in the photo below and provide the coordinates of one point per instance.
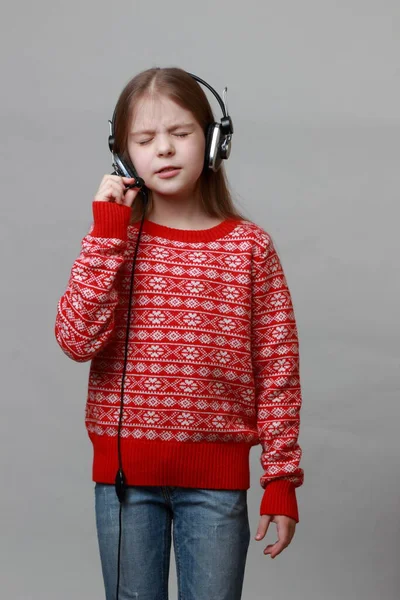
(111, 220)
(279, 498)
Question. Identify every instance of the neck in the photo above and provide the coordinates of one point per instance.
(183, 212)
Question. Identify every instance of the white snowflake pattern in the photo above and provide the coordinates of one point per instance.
(275, 428)
(195, 287)
(157, 283)
(192, 319)
(226, 324)
(152, 384)
(190, 353)
(155, 351)
(282, 365)
(278, 300)
(233, 261)
(92, 346)
(218, 421)
(79, 273)
(102, 314)
(219, 388)
(197, 257)
(223, 357)
(188, 386)
(159, 253)
(186, 419)
(274, 265)
(280, 333)
(151, 417)
(156, 317)
(248, 395)
(230, 293)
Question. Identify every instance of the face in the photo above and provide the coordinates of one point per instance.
(161, 134)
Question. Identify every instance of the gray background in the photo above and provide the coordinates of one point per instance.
(313, 90)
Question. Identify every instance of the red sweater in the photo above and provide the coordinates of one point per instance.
(213, 359)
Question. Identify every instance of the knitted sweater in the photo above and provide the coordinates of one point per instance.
(213, 355)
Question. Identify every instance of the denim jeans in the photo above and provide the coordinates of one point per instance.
(211, 536)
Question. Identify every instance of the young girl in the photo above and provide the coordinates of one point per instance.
(212, 362)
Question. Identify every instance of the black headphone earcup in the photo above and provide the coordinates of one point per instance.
(128, 166)
(123, 166)
(207, 154)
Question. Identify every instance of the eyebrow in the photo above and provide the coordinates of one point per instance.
(172, 128)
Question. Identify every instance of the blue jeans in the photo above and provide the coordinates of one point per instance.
(211, 536)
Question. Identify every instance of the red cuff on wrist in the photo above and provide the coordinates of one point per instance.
(279, 498)
(111, 220)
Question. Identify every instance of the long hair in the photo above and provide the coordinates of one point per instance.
(182, 88)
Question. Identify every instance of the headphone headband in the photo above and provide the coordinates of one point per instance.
(223, 103)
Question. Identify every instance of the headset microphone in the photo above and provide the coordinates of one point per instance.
(218, 148)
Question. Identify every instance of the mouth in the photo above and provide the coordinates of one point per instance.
(169, 168)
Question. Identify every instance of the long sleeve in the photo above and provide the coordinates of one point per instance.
(85, 312)
(276, 365)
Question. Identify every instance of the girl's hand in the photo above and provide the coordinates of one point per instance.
(285, 527)
(112, 189)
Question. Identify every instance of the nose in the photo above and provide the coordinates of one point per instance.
(165, 146)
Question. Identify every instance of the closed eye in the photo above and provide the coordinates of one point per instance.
(180, 135)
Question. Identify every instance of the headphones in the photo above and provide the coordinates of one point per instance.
(218, 148)
(218, 141)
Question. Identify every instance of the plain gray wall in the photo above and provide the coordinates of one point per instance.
(314, 94)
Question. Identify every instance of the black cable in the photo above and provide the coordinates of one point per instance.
(120, 480)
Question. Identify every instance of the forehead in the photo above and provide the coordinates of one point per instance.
(151, 111)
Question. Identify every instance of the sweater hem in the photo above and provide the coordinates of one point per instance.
(209, 465)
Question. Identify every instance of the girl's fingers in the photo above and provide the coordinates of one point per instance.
(113, 189)
(120, 191)
(130, 196)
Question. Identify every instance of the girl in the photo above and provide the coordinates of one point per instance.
(212, 366)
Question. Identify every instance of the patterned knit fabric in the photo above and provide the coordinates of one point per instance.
(213, 355)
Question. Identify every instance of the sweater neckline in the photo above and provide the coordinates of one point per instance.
(188, 235)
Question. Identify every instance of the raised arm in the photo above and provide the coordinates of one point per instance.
(85, 312)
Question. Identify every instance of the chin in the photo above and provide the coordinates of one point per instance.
(170, 192)
(172, 187)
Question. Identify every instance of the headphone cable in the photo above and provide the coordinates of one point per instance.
(120, 480)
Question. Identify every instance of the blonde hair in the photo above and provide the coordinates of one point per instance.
(177, 85)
